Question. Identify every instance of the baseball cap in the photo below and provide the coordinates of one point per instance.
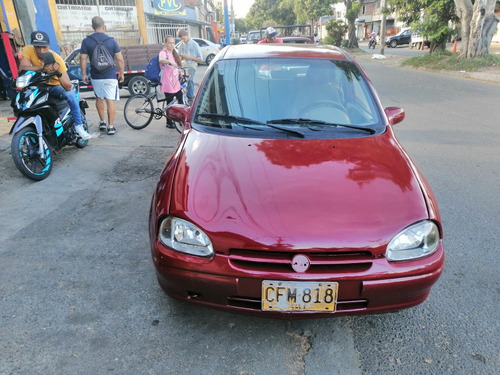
(40, 39)
(271, 31)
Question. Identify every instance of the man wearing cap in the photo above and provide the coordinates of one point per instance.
(190, 53)
(271, 36)
(58, 86)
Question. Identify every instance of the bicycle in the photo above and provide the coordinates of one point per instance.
(139, 110)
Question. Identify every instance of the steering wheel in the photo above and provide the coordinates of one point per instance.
(325, 110)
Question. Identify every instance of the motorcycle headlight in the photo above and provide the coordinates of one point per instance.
(24, 80)
(416, 241)
(185, 237)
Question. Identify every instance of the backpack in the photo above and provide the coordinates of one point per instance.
(102, 60)
(153, 70)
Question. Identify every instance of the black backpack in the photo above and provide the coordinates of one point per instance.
(102, 60)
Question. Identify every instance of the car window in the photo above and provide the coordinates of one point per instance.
(265, 90)
(201, 43)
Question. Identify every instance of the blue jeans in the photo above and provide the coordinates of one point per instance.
(70, 96)
(190, 84)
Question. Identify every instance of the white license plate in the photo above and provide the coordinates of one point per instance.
(299, 295)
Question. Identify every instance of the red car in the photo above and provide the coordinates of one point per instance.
(288, 194)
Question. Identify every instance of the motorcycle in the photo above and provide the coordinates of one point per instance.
(372, 43)
(44, 124)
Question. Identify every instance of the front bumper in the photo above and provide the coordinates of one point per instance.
(374, 286)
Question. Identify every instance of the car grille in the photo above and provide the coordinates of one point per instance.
(245, 303)
(265, 261)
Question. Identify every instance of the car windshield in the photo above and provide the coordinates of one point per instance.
(297, 96)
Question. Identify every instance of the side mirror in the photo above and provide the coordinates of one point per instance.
(178, 113)
(395, 115)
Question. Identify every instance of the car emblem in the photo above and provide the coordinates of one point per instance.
(300, 263)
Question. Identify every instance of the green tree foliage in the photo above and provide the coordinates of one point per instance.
(432, 22)
(336, 31)
(264, 13)
(286, 12)
(309, 11)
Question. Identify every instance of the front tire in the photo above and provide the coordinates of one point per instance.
(138, 111)
(138, 85)
(25, 148)
(209, 58)
(394, 43)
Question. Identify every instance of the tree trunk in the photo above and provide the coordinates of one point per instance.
(464, 13)
(478, 24)
(351, 31)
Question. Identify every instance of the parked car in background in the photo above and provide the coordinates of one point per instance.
(208, 49)
(417, 40)
(135, 58)
(297, 40)
(403, 37)
(289, 195)
(254, 36)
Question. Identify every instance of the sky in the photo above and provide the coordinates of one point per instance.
(241, 7)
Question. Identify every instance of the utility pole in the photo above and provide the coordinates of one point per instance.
(227, 27)
(382, 27)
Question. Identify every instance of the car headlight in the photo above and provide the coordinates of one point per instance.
(416, 241)
(183, 236)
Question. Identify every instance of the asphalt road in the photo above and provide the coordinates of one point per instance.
(78, 292)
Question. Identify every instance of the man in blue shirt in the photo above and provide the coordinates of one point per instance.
(105, 84)
(190, 53)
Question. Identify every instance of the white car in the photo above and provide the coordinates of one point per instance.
(208, 49)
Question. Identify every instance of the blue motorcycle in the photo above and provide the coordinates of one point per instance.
(44, 124)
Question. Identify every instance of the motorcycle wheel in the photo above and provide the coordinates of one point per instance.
(25, 146)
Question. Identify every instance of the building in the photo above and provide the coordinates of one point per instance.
(130, 22)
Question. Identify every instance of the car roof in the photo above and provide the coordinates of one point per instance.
(249, 51)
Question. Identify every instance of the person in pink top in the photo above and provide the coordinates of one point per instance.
(169, 61)
(271, 36)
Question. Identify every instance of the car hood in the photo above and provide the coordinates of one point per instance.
(296, 194)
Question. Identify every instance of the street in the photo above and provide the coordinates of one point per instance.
(78, 293)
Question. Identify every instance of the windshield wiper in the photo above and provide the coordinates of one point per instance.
(318, 122)
(239, 120)
(222, 116)
(236, 119)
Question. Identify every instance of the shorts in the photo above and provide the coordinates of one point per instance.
(106, 88)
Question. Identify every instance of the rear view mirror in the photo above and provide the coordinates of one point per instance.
(178, 113)
(395, 115)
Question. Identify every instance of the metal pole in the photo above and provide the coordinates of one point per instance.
(382, 27)
(226, 24)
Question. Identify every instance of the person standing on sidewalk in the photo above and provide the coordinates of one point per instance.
(190, 53)
(105, 84)
(58, 86)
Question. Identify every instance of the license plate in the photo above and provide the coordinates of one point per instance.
(299, 295)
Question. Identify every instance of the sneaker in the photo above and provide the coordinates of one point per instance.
(102, 126)
(170, 123)
(82, 133)
(111, 130)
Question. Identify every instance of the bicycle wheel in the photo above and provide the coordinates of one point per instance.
(138, 111)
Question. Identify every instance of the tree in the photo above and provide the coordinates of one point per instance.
(428, 17)
(264, 13)
(309, 11)
(336, 31)
(352, 11)
(478, 24)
